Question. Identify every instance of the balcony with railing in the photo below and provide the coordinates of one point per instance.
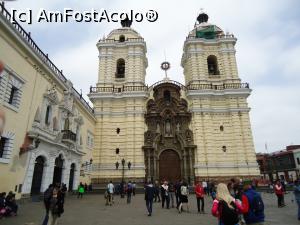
(218, 86)
(114, 89)
(68, 136)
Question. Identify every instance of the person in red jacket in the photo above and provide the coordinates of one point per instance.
(279, 191)
(225, 207)
(199, 191)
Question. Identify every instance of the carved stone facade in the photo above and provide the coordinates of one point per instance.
(168, 120)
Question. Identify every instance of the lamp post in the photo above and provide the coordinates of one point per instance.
(117, 164)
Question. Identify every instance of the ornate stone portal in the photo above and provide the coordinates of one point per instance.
(168, 147)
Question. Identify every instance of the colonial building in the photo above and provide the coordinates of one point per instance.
(282, 164)
(197, 130)
(49, 127)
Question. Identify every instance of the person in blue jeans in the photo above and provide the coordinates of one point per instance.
(149, 195)
(297, 196)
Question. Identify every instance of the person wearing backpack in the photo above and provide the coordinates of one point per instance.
(297, 196)
(184, 192)
(129, 192)
(165, 195)
(225, 207)
(253, 206)
(279, 191)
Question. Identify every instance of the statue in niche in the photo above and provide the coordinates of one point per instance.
(157, 128)
(178, 127)
(168, 128)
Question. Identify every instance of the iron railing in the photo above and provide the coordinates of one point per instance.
(114, 89)
(68, 135)
(218, 87)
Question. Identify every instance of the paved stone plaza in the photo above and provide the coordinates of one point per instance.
(91, 211)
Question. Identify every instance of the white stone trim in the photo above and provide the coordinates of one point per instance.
(224, 110)
(225, 165)
(228, 92)
(120, 113)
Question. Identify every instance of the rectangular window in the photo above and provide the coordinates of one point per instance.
(298, 161)
(13, 95)
(3, 143)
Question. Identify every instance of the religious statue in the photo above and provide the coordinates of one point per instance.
(157, 128)
(168, 128)
(178, 127)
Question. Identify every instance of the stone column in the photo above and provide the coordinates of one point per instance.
(76, 175)
(154, 167)
(184, 165)
(49, 171)
(149, 165)
(66, 173)
(29, 174)
(191, 165)
(157, 169)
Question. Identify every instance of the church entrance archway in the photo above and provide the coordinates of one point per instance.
(169, 166)
(37, 176)
(71, 180)
(58, 168)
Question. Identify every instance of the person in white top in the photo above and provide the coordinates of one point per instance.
(110, 192)
(204, 185)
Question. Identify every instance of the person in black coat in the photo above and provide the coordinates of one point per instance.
(149, 195)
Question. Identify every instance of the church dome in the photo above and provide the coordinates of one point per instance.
(125, 32)
(204, 29)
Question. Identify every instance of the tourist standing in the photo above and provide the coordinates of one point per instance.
(110, 192)
(129, 189)
(56, 206)
(47, 197)
(63, 189)
(204, 185)
(199, 191)
(225, 207)
(297, 196)
(279, 191)
(133, 188)
(171, 193)
(11, 203)
(156, 191)
(184, 192)
(149, 195)
(177, 193)
(253, 206)
(165, 195)
(80, 190)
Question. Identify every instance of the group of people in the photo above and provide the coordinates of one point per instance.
(8, 204)
(232, 203)
(123, 188)
(54, 199)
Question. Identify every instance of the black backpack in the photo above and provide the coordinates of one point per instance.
(228, 215)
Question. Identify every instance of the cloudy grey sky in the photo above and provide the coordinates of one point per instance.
(268, 51)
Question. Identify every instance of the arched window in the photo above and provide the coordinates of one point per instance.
(48, 115)
(121, 38)
(167, 96)
(120, 73)
(212, 65)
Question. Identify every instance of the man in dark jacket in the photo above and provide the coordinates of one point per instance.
(47, 197)
(149, 195)
(253, 206)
